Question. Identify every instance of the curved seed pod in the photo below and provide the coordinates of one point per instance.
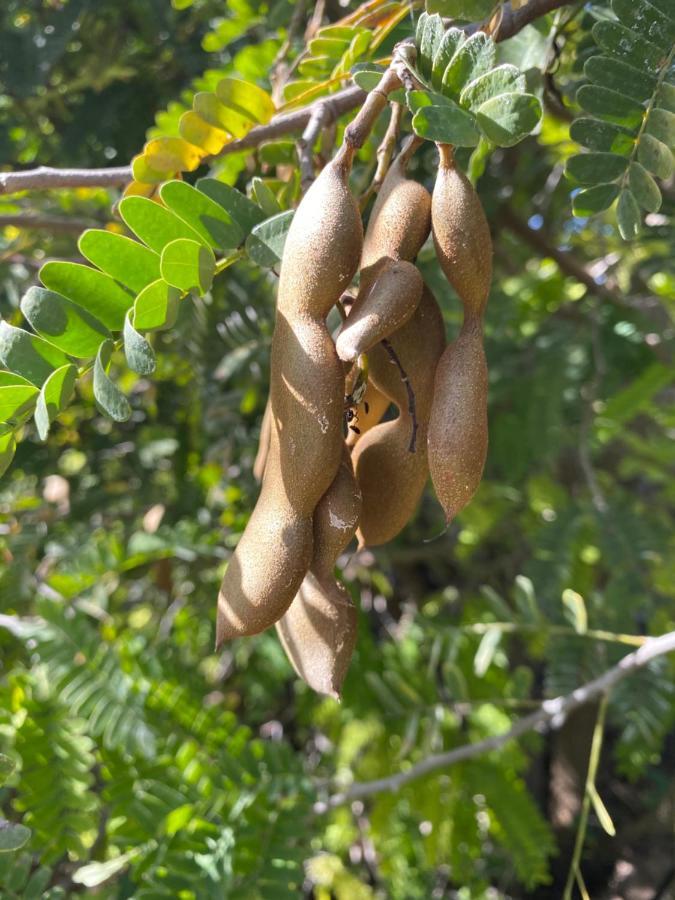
(392, 478)
(458, 429)
(399, 222)
(263, 443)
(388, 305)
(321, 255)
(461, 235)
(369, 412)
(318, 631)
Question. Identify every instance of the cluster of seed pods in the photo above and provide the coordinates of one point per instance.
(323, 482)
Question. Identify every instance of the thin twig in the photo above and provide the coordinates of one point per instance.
(318, 119)
(551, 714)
(412, 410)
(384, 153)
(514, 20)
(574, 873)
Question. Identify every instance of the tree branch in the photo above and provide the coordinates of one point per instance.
(551, 714)
(50, 223)
(45, 178)
(514, 20)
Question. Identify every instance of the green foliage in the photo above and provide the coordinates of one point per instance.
(469, 96)
(630, 134)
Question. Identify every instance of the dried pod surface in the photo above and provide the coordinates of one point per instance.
(321, 255)
(461, 235)
(399, 222)
(263, 443)
(388, 305)
(458, 430)
(390, 477)
(318, 631)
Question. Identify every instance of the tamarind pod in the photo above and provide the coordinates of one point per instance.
(392, 478)
(318, 631)
(399, 223)
(263, 442)
(458, 426)
(388, 305)
(321, 255)
(461, 234)
(376, 404)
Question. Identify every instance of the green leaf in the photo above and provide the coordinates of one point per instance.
(447, 125)
(96, 873)
(242, 210)
(646, 20)
(575, 610)
(64, 324)
(92, 290)
(155, 225)
(619, 76)
(247, 99)
(451, 42)
(609, 105)
(594, 200)
(10, 378)
(420, 29)
(595, 168)
(665, 97)
(504, 79)
(431, 38)
(486, 651)
(509, 118)
(7, 450)
(265, 244)
(28, 355)
(264, 197)
(12, 836)
(655, 156)
(644, 188)
(108, 396)
(475, 57)
(156, 306)
(601, 136)
(206, 216)
(140, 355)
(54, 397)
(131, 263)
(601, 811)
(187, 265)
(418, 99)
(661, 125)
(628, 215)
(627, 46)
(17, 402)
(467, 10)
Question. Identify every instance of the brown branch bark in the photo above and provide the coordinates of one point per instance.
(45, 178)
(551, 714)
(514, 20)
(30, 221)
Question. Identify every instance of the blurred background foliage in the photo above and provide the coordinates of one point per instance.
(149, 766)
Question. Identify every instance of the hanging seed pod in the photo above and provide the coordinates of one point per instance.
(318, 631)
(391, 476)
(321, 255)
(458, 428)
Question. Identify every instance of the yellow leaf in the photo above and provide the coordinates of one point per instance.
(144, 172)
(247, 99)
(209, 108)
(195, 130)
(172, 155)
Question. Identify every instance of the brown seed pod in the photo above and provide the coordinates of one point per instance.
(388, 305)
(320, 258)
(318, 631)
(390, 477)
(263, 443)
(399, 222)
(458, 429)
(461, 235)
